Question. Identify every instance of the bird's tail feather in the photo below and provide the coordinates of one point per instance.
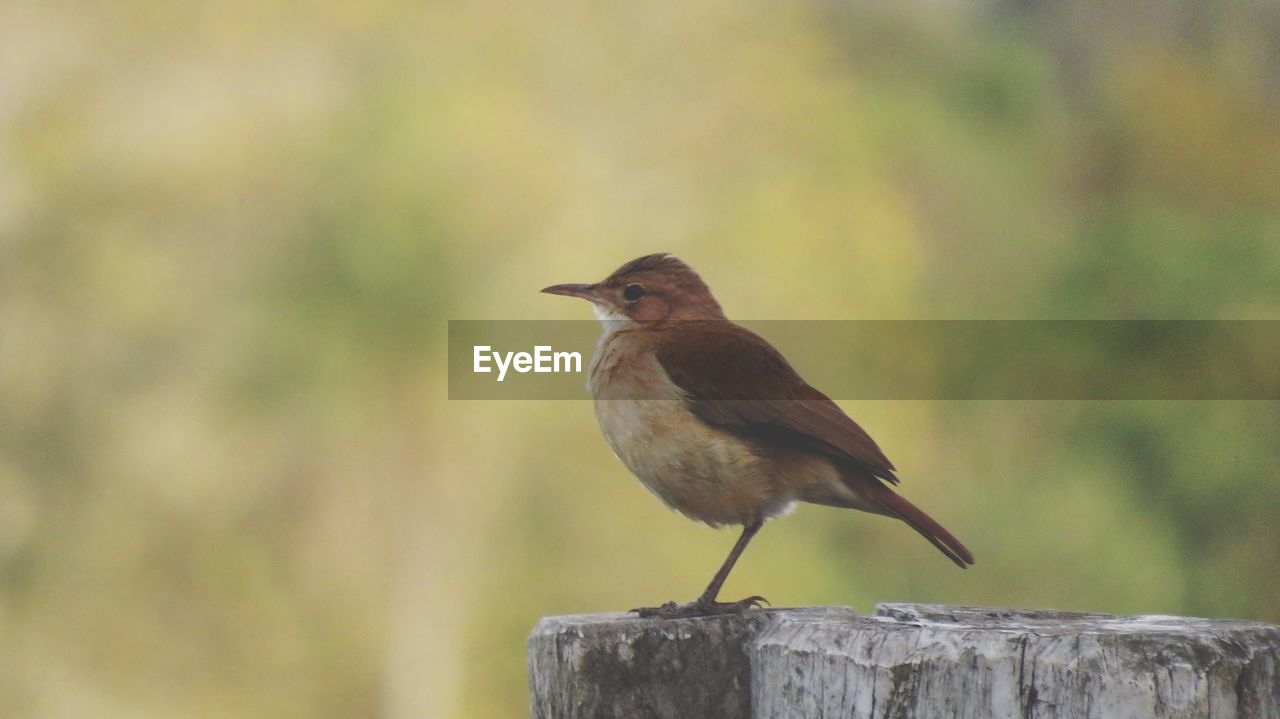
(895, 505)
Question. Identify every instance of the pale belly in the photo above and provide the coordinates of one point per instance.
(701, 471)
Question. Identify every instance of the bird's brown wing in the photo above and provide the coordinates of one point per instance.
(737, 380)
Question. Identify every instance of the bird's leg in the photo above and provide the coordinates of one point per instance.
(706, 604)
(713, 589)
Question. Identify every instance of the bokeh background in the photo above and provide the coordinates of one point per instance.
(231, 234)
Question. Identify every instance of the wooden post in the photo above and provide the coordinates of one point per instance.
(907, 660)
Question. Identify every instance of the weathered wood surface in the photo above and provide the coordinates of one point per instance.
(618, 665)
(936, 661)
(906, 661)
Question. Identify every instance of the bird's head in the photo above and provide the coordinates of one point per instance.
(649, 288)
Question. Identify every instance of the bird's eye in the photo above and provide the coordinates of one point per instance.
(632, 293)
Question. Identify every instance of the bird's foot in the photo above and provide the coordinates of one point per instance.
(701, 608)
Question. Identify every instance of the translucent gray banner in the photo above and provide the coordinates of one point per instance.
(916, 360)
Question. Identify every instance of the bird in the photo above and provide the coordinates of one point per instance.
(715, 422)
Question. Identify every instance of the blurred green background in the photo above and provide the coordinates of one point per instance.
(231, 483)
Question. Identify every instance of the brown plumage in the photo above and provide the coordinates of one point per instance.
(715, 422)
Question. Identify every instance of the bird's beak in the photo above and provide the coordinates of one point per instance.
(586, 292)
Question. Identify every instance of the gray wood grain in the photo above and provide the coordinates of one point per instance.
(936, 661)
(618, 665)
(909, 661)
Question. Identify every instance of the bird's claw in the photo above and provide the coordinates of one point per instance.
(702, 608)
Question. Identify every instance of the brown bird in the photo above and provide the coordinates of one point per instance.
(715, 422)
